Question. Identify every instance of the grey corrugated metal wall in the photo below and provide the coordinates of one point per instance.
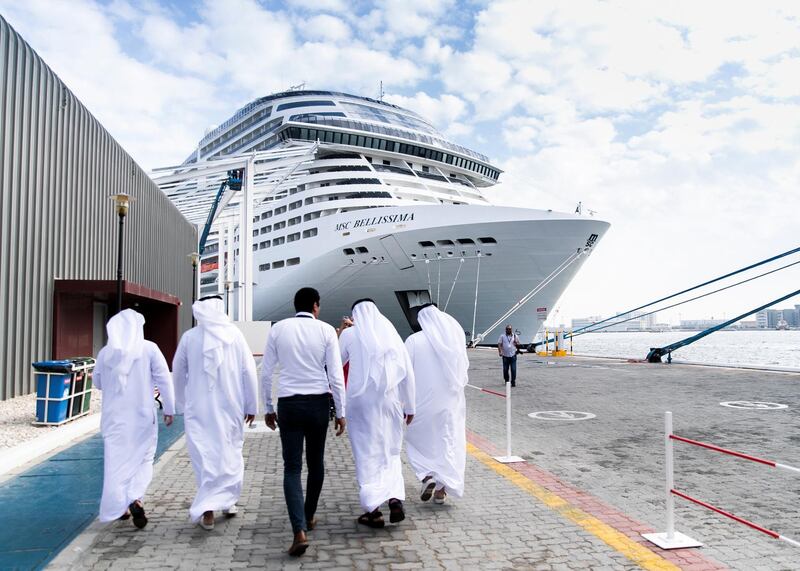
(58, 167)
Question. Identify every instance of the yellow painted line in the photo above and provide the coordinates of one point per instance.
(613, 538)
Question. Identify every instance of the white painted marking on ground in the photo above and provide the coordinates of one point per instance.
(561, 415)
(754, 405)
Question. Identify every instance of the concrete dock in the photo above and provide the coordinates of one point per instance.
(585, 492)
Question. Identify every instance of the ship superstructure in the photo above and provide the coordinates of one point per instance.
(361, 198)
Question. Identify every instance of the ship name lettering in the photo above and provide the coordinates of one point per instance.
(376, 220)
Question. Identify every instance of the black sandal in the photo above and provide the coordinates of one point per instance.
(372, 519)
(139, 519)
(396, 512)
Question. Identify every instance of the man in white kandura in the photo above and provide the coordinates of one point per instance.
(307, 352)
(128, 370)
(380, 395)
(215, 388)
(437, 442)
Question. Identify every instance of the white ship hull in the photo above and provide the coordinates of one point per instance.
(530, 244)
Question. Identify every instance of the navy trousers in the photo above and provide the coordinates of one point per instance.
(303, 418)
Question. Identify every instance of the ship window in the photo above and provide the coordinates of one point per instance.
(309, 201)
(487, 240)
(267, 214)
(266, 229)
(362, 250)
(387, 162)
(255, 247)
(278, 264)
(444, 242)
(466, 241)
(293, 237)
(311, 216)
(311, 103)
(293, 221)
(255, 232)
(426, 244)
(279, 225)
(263, 267)
(280, 210)
(310, 233)
(292, 261)
(349, 252)
(278, 241)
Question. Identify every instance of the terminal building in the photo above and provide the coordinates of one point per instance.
(59, 228)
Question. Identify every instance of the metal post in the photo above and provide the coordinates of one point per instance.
(508, 458)
(671, 539)
(229, 268)
(669, 467)
(221, 270)
(246, 245)
(119, 262)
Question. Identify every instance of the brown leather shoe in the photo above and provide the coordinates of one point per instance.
(311, 524)
(299, 545)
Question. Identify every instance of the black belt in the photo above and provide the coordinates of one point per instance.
(293, 398)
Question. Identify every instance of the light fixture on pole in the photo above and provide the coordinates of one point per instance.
(195, 258)
(121, 205)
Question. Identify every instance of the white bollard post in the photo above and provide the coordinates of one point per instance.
(508, 458)
(670, 539)
(670, 469)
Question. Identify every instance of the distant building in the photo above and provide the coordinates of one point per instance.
(581, 322)
(700, 324)
(621, 322)
(749, 324)
(761, 319)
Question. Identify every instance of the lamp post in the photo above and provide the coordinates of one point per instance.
(195, 258)
(121, 204)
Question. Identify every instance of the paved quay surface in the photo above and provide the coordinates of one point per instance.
(585, 492)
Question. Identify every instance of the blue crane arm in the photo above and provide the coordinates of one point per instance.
(211, 214)
(234, 181)
(655, 354)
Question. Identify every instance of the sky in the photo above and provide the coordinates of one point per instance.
(677, 122)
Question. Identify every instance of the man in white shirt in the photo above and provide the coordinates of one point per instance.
(507, 346)
(307, 351)
(380, 399)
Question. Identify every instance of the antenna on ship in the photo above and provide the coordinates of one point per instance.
(579, 208)
(297, 87)
(380, 92)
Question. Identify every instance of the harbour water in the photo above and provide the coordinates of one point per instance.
(764, 348)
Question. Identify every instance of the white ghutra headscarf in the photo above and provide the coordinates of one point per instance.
(218, 332)
(447, 338)
(125, 343)
(382, 348)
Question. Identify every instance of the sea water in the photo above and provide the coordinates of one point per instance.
(764, 348)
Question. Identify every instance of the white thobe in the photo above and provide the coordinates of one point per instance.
(375, 427)
(129, 426)
(214, 417)
(436, 441)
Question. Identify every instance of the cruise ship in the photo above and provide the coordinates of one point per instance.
(386, 207)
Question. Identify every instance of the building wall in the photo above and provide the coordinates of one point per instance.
(58, 166)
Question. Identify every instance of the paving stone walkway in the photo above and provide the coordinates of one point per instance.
(581, 499)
